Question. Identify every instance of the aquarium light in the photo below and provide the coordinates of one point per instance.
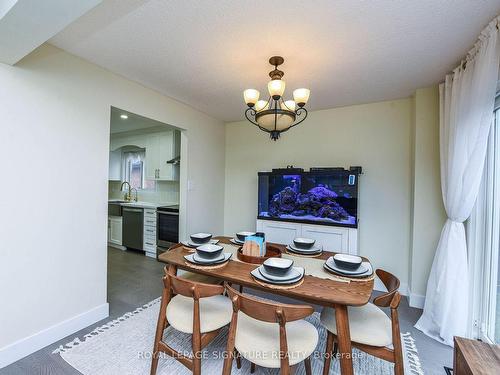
(276, 115)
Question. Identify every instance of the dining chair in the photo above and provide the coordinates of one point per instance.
(190, 307)
(271, 335)
(372, 331)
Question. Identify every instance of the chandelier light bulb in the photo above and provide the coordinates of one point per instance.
(301, 96)
(251, 97)
(288, 105)
(261, 105)
(276, 88)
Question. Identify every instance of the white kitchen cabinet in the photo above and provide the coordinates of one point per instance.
(115, 230)
(115, 165)
(150, 232)
(161, 148)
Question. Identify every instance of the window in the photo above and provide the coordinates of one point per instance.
(134, 170)
(484, 244)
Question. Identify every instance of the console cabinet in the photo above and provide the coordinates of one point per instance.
(338, 239)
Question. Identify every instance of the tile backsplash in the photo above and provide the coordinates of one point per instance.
(164, 192)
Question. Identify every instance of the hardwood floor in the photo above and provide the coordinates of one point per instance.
(134, 279)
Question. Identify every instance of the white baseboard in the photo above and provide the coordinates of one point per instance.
(417, 300)
(23, 347)
(119, 247)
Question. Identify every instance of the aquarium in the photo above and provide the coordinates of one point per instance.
(322, 197)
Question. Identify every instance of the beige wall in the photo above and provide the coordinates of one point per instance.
(55, 132)
(428, 211)
(375, 136)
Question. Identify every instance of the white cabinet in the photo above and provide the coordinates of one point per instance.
(161, 148)
(115, 165)
(150, 232)
(115, 230)
(279, 231)
(338, 239)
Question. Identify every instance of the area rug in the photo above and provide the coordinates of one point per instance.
(123, 346)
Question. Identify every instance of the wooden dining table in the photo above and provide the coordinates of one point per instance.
(338, 294)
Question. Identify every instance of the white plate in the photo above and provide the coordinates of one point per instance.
(364, 269)
(256, 273)
(190, 244)
(191, 258)
(294, 273)
(313, 249)
(236, 241)
(200, 259)
(302, 252)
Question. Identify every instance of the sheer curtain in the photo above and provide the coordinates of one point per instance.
(466, 111)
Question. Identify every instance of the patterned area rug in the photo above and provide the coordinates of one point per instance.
(123, 346)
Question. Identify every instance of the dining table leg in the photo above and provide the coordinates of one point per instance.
(344, 340)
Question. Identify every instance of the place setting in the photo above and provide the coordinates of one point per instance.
(278, 273)
(346, 265)
(208, 256)
(239, 239)
(198, 239)
(304, 247)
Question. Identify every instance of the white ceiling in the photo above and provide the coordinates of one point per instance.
(133, 123)
(26, 24)
(205, 53)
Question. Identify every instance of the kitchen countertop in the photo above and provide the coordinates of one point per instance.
(141, 204)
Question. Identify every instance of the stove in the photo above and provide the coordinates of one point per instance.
(167, 227)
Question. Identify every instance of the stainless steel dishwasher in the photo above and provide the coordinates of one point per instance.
(133, 227)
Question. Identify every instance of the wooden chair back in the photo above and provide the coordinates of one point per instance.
(392, 297)
(187, 288)
(267, 312)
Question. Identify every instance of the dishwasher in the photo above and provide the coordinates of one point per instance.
(133, 227)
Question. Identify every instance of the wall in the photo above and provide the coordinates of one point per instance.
(55, 132)
(428, 210)
(165, 192)
(375, 136)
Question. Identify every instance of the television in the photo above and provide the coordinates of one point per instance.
(327, 196)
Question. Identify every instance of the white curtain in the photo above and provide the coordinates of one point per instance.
(466, 111)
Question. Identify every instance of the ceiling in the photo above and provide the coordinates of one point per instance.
(134, 123)
(205, 53)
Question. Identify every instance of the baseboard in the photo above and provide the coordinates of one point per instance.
(21, 348)
(119, 247)
(416, 300)
(379, 286)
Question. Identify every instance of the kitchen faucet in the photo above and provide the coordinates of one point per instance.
(128, 195)
(131, 190)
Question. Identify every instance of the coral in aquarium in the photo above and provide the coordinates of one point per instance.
(319, 202)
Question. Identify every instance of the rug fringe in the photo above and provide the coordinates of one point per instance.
(411, 353)
(113, 323)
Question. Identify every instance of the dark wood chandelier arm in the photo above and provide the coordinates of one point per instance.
(252, 112)
(299, 113)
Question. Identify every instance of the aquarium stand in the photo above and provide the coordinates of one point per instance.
(332, 238)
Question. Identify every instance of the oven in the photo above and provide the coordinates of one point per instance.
(167, 228)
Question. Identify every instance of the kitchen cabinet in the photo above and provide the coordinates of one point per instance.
(115, 230)
(150, 232)
(160, 149)
(115, 165)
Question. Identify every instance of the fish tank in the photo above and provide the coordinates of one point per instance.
(327, 197)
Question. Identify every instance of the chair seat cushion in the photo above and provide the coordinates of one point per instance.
(367, 324)
(215, 313)
(199, 278)
(259, 342)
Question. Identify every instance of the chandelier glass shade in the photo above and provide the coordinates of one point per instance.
(276, 115)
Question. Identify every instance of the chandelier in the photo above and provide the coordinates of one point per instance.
(276, 115)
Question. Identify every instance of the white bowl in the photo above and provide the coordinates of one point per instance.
(303, 243)
(200, 238)
(209, 251)
(347, 261)
(241, 235)
(277, 266)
